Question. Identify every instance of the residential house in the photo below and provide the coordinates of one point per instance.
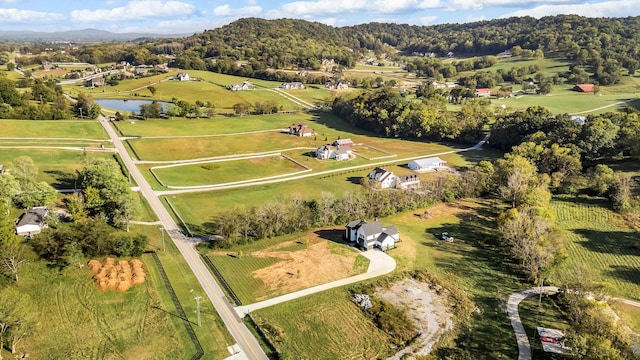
(382, 178)
(33, 221)
(161, 68)
(339, 85)
(140, 70)
(427, 164)
(585, 88)
(444, 85)
(300, 130)
(182, 77)
(408, 181)
(292, 85)
(372, 235)
(240, 87)
(94, 82)
(47, 65)
(340, 153)
(579, 119)
(343, 142)
(483, 92)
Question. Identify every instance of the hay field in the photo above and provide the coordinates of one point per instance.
(278, 266)
(78, 321)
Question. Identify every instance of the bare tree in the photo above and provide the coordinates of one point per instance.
(13, 255)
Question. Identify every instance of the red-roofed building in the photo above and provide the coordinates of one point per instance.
(483, 92)
(585, 88)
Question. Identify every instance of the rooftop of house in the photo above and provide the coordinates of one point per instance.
(34, 216)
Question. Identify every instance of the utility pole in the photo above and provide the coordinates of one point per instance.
(198, 307)
(80, 112)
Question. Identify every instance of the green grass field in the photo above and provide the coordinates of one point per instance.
(52, 129)
(601, 238)
(227, 171)
(545, 313)
(77, 320)
(217, 125)
(55, 166)
(326, 325)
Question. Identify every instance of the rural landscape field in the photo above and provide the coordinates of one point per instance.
(385, 200)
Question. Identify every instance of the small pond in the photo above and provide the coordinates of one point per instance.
(127, 105)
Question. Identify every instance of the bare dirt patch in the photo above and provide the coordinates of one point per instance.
(313, 264)
(425, 307)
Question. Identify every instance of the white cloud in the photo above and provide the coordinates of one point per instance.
(454, 5)
(330, 7)
(17, 16)
(133, 10)
(226, 10)
(601, 9)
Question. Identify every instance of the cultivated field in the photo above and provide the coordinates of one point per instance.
(278, 266)
(601, 238)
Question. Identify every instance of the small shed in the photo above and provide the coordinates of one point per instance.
(33, 221)
(427, 164)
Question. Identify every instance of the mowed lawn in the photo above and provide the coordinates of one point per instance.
(601, 238)
(45, 129)
(216, 125)
(57, 167)
(327, 325)
(226, 171)
(281, 265)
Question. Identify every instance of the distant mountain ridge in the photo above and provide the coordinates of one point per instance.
(79, 36)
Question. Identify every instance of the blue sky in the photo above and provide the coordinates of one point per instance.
(190, 16)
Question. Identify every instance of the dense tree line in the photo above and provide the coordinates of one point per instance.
(387, 112)
(45, 101)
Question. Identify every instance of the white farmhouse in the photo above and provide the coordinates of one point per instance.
(428, 164)
(382, 178)
(340, 153)
(371, 235)
(33, 221)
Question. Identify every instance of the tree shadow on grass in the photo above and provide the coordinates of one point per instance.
(610, 242)
(63, 180)
(174, 315)
(478, 264)
(626, 273)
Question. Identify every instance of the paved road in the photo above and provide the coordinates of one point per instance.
(247, 342)
(380, 264)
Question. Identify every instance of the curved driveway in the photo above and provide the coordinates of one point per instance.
(380, 264)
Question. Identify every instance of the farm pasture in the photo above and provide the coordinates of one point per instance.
(45, 129)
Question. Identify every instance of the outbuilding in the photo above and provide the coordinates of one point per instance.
(427, 164)
(33, 221)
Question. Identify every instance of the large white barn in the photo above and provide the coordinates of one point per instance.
(428, 164)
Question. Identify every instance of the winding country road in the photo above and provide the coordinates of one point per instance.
(246, 341)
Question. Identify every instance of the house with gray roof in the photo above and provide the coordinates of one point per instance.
(33, 221)
(371, 235)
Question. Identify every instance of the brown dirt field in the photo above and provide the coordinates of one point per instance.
(305, 268)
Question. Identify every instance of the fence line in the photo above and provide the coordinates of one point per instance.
(199, 351)
(222, 280)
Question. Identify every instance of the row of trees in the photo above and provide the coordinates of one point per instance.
(387, 112)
